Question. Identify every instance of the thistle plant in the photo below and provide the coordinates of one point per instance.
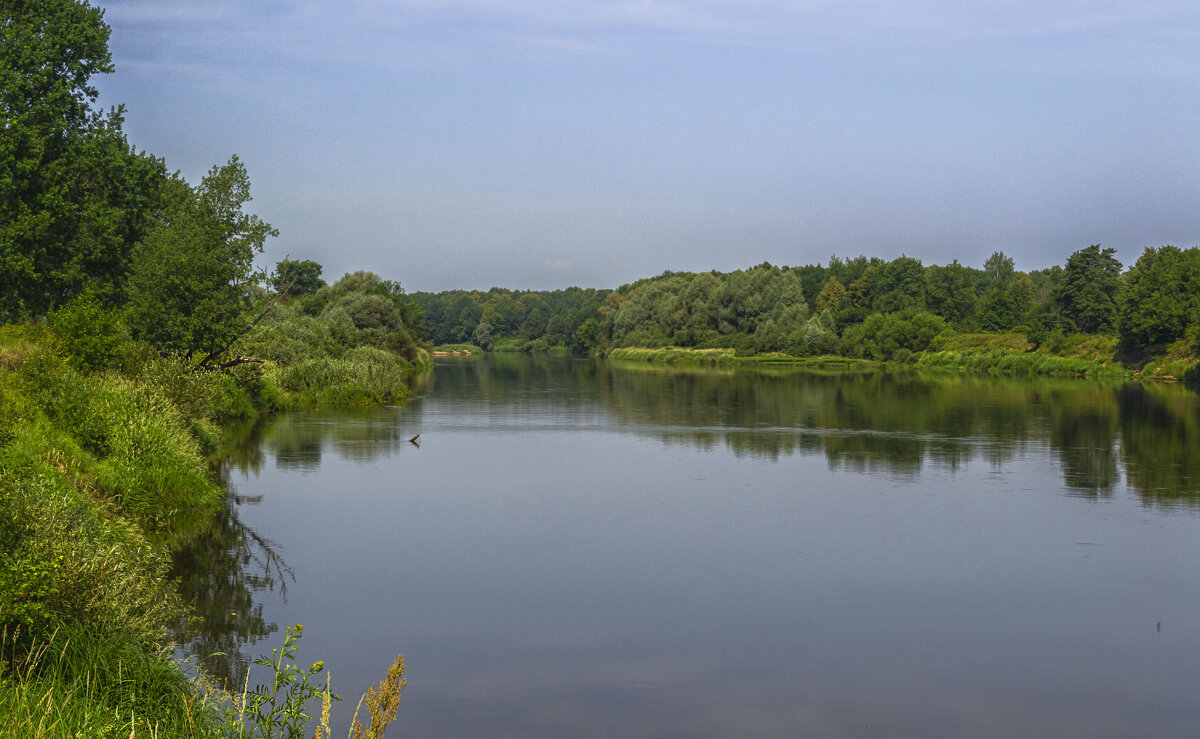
(276, 709)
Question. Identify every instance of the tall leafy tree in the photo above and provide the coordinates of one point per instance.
(192, 276)
(952, 294)
(1006, 303)
(831, 296)
(298, 277)
(901, 284)
(74, 197)
(1160, 299)
(1087, 291)
(999, 266)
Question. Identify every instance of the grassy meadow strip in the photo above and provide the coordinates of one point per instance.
(672, 355)
(982, 353)
(1028, 363)
(457, 349)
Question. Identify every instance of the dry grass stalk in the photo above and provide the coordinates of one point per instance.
(381, 703)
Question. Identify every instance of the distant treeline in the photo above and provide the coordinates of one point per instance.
(514, 319)
(858, 307)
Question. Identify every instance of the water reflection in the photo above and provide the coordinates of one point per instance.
(897, 422)
(563, 524)
(224, 571)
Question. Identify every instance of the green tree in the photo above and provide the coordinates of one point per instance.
(74, 197)
(901, 284)
(300, 277)
(951, 294)
(1087, 292)
(192, 276)
(1160, 300)
(831, 296)
(893, 336)
(1007, 303)
(999, 266)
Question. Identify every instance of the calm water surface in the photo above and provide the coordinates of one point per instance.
(578, 549)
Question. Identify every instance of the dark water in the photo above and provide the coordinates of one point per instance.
(578, 550)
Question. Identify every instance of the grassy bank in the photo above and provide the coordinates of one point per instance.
(1009, 353)
(103, 471)
(456, 349)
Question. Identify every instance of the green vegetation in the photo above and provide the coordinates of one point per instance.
(136, 327)
(514, 320)
(102, 475)
(133, 328)
(1083, 318)
(457, 349)
(673, 354)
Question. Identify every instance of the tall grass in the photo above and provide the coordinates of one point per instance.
(364, 376)
(460, 349)
(102, 466)
(672, 355)
(1025, 363)
(75, 683)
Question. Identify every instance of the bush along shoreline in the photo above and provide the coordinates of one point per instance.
(106, 451)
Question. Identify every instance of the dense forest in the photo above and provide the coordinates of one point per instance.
(858, 307)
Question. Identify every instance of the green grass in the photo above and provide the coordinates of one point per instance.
(78, 683)
(672, 355)
(364, 376)
(728, 357)
(103, 470)
(1009, 341)
(1023, 363)
(1073, 355)
(458, 348)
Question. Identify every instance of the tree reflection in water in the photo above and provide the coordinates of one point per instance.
(896, 422)
(220, 572)
(891, 421)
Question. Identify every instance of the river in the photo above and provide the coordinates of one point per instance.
(577, 549)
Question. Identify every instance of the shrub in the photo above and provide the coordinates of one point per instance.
(87, 334)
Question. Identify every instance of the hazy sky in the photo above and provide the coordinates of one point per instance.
(547, 143)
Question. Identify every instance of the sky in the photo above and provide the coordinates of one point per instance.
(539, 144)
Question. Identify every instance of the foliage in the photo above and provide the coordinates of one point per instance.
(277, 708)
(952, 293)
(1005, 303)
(502, 316)
(892, 336)
(1160, 298)
(382, 702)
(1087, 292)
(1009, 341)
(364, 376)
(672, 355)
(89, 335)
(458, 349)
(999, 267)
(188, 288)
(74, 197)
(78, 683)
(1000, 361)
(297, 277)
(831, 296)
(901, 285)
(763, 305)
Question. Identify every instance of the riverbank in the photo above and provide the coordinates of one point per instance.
(1003, 353)
(104, 471)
